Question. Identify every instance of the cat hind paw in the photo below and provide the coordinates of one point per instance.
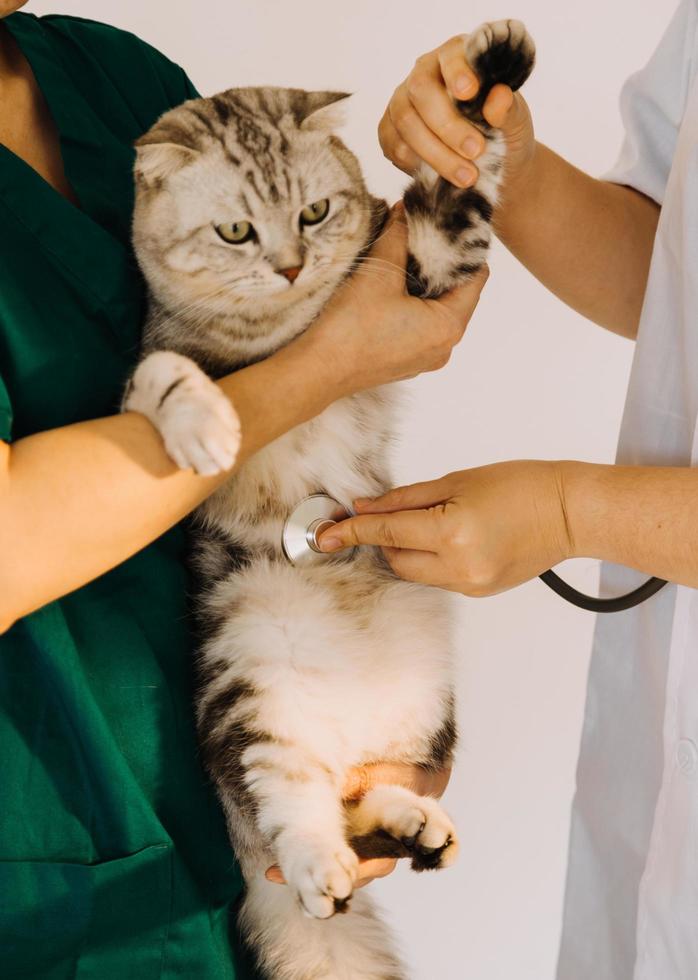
(501, 52)
(321, 878)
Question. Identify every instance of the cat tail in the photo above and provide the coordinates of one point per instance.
(288, 945)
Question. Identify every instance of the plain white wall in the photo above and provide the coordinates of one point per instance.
(531, 379)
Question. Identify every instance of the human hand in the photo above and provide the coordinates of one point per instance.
(363, 778)
(373, 333)
(478, 532)
(421, 121)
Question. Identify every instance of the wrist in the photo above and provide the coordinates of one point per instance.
(315, 367)
(519, 192)
(585, 490)
(330, 358)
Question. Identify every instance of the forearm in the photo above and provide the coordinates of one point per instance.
(588, 241)
(76, 501)
(644, 517)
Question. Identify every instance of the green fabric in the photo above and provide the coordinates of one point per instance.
(114, 860)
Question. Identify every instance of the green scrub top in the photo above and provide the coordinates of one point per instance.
(114, 859)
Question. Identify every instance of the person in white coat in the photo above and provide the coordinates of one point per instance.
(623, 251)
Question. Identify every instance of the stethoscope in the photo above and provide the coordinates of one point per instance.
(314, 514)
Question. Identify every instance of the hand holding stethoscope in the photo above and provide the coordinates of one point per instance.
(478, 532)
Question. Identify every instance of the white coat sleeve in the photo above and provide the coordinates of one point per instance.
(652, 106)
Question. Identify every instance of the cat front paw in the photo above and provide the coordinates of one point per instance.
(198, 424)
(322, 877)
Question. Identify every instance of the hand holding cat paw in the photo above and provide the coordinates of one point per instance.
(198, 424)
(383, 334)
(421, 121)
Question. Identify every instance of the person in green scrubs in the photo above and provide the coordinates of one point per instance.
(114, 858)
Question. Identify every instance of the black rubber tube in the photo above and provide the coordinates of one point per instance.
(593, 604)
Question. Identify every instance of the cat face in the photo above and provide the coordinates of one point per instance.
(247, 205)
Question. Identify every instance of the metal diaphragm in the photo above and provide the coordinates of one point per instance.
(303, 525)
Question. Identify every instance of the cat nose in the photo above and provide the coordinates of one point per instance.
(291, 273)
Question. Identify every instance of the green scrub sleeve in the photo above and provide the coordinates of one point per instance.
(175, 81)
(5, 413)
(108, 51)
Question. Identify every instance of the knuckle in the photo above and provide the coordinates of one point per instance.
(461, 540)
(402, 153)
(403, 117)
(455, 46)
(416, 84)
(352, 535)
(386, 534)
(396, 497)
(482, 576)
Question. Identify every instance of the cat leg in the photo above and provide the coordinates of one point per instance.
(299, 810)
(294, 802)
(198, 424)
(392, 821)
(450, 227)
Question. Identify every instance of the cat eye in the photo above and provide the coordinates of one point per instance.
(313, 214)
(236, 232)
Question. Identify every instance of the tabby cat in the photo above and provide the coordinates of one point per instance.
(249, 214)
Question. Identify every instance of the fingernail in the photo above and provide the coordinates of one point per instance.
(329, 544)
(472, 147)
(465, 176)
(402, 152)
(464, 85)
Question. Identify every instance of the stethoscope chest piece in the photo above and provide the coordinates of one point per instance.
(307, 520)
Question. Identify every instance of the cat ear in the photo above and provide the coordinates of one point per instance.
(321, 112)
(158, 155)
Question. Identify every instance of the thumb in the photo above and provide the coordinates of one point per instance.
(414, 497)
(498, 105)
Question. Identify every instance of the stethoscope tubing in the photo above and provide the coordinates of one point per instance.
(593, 604)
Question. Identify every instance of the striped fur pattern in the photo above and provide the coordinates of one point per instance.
(449, 227)
(303, 671)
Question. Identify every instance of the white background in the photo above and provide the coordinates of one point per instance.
(531, 379)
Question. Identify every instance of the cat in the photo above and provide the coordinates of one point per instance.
(249, 214)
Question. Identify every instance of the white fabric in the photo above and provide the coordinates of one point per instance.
(631, 906)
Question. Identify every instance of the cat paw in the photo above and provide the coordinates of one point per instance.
(501, 52)
(198, 424)
(322, 879)
(418, 823)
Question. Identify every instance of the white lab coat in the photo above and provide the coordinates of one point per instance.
(631, 905)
